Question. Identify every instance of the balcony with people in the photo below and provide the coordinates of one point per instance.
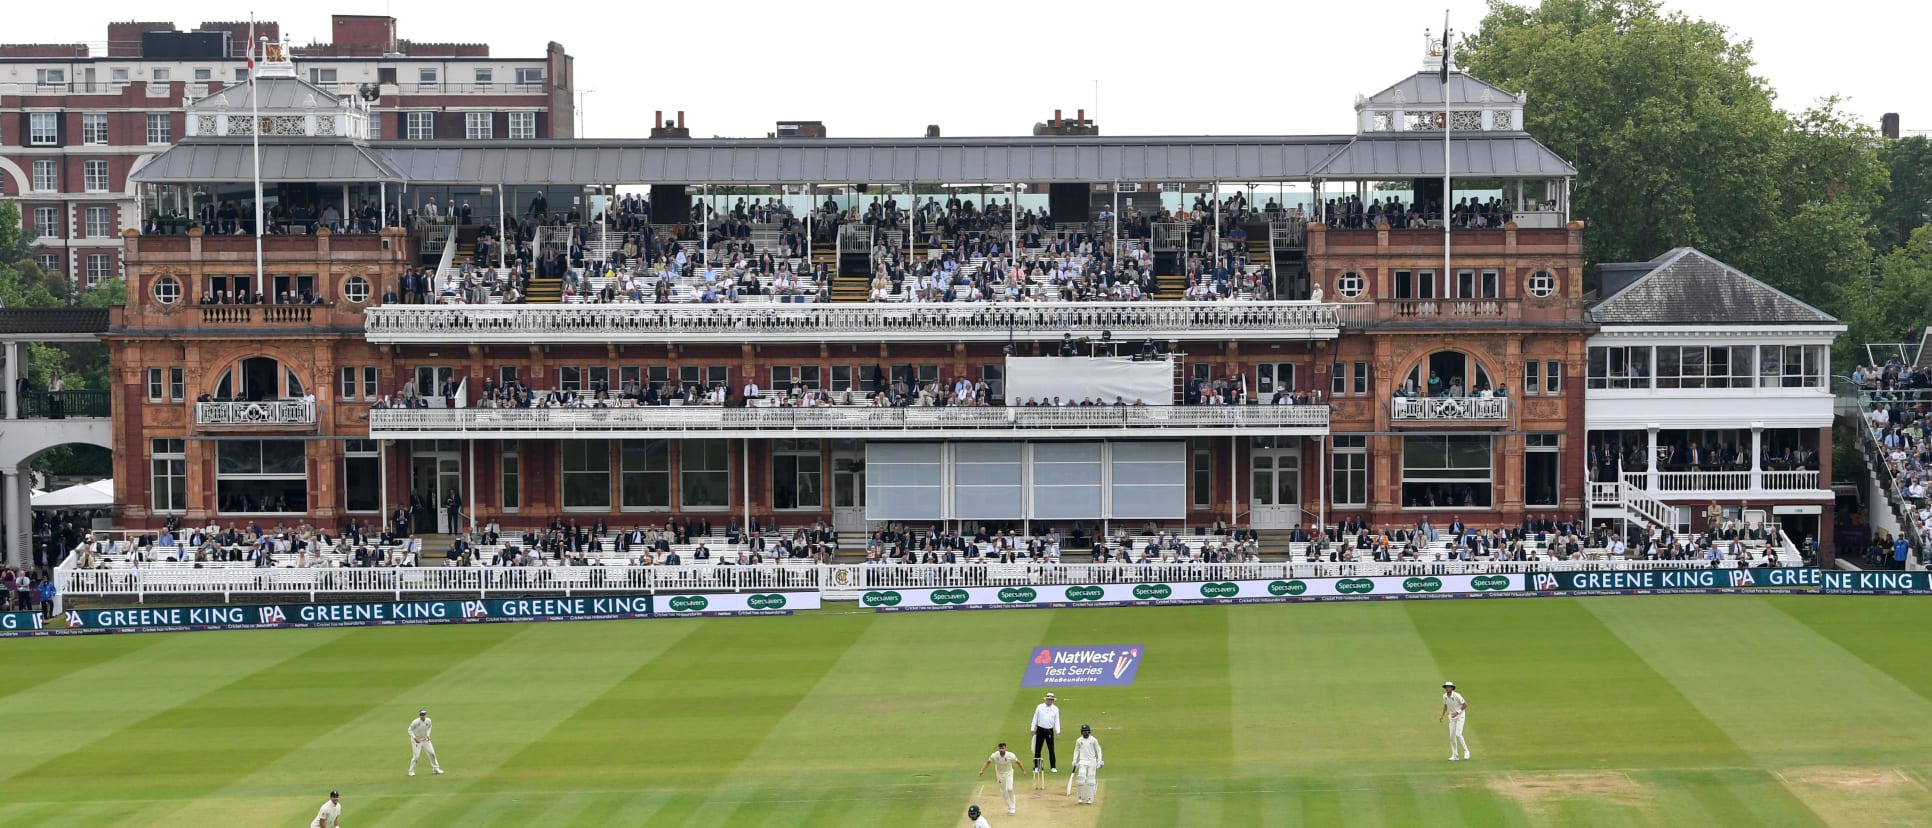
(1449, 386)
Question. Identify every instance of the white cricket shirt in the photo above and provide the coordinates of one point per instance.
(330, 814)
(1003, 762)
(1454, 700)
(419, 728)
(1047, 716)
(1086, 751)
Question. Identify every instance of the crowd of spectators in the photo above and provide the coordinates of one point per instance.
(1897, 424)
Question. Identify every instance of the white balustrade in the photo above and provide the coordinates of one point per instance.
(262, 413)
(402, 422)
(1449, 408)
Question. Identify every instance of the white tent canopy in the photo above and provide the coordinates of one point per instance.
(96, 495)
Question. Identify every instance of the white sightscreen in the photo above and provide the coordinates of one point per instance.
(903, 481)
(1066, 481)
(987, 480)
(1076, 378)
(1149, 480)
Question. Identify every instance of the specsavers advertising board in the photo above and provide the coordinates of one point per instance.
(1221, 592)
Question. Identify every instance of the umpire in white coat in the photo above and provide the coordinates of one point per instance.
(1046, 725)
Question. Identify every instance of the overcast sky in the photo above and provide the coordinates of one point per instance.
(994, 67)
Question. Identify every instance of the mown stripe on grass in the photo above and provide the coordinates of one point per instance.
(367, 754)
(1886, 632)
(261, 717)
(56, 657)
(1535, 673)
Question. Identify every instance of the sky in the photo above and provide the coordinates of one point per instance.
(995, 67)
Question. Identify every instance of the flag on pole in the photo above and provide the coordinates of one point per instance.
(1445, 52)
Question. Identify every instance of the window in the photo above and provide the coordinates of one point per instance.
(43, 129)
(94, 128)
(477, 126)
(1465, 285)
(1792, 366)
(47, 222)
(99, 222)
(356, 289)
(1349, 471)
(1553, 377)
(529, 76)
(506, 375)
(1492, 284)
(167, 290)
(160, 129)
(485, 77)
(241, 74)
(1361, 378)
(1540, 481)
(1350, 284)
(523, 126)
(781, 378)
(1699, 366)
(1338, 378)
(118, 75)
(157, 388)
(586, 475)
(369, 390)
(1445, 471)
(321, 75)
(375, 126)
(168, 475)
(48, 263)
(841, 378)
(646, 475)
(204, 74)
(100, 268)
(50, 77)
(1532, 377)
(45, 179)
(348, 388)
(94, 176)
(426, 76)
(361, 486)
(796, 477)
(1203, 474)
(421, 126)
(261, 477)
(704, 474)
(1619, 367)
(1272, 377)
(1541, 284)
(512, 468)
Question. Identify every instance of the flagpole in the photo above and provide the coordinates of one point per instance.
(1448, 116)
(255, 129)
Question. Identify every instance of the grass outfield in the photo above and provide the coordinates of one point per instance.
(1676, 710)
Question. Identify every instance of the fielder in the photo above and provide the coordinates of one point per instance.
(1087, 761)
(972, 813)
(1046, 725)
(420, 744)
(331, 814)
(1453, 707)
(1003, 761)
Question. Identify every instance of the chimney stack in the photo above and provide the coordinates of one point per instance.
(1888, 125)
(1080, 117)
(673, 129)
(932, 130)
(680, 119)
(1060, 125)
(660, 120)
(1056, 119)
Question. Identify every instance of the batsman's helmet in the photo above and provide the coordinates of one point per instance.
(972, 811)
(1086, 728)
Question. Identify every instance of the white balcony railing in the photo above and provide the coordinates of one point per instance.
(1449, 408)
(264, 413)
(406, 422)
(940, 322)
(1675, 482)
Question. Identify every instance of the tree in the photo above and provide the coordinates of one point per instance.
(1896, 301)
(1676, 142)
(1908, 205)
(84, 366)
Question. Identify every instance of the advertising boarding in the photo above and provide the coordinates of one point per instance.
(1279, 590)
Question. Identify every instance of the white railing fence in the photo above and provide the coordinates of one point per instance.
(842, 418)
(1449, 408)
(265, 412)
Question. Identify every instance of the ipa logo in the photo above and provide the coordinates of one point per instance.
(1354, 586)
(1018, 595)
(1224, 589)
(1429, 584)
(688, 603)
(769, 601)
(1484, 583)
(1154, 592)
(273, 615)
(948, 596)
(1085, 593)
(888, 598)
(1295, 587)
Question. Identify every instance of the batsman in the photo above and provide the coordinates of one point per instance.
(1087, 762)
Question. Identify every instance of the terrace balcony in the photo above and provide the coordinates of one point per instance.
(848, 421)
(1449, 409)
(955, 322)
(262, 414)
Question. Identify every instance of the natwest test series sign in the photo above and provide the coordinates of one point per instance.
(1109, 665)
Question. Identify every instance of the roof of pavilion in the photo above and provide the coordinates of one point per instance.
(800, 161)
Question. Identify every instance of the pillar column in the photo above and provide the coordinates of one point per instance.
(1757, 451)
(1650, 459)
(12, 373)
(16, 552)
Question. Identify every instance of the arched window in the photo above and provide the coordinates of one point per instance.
(258, 378)
(1447, 374)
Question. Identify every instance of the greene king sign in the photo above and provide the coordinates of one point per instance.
(1108, 665)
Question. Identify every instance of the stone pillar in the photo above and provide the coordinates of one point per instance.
(18, 536)
(12, 374)
(1650, 459)
(1757, 451)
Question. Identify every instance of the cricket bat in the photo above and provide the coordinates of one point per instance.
(1070, 776)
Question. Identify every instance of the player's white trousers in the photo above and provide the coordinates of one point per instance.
(1457, 747)
(420, 748)
(1086, 781)
(1006, 790)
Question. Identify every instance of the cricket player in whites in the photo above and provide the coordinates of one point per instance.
(331, 814)
(420, 744)
(1453, 708)
(1003, 762)
(1086, 762)
(972, 813)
